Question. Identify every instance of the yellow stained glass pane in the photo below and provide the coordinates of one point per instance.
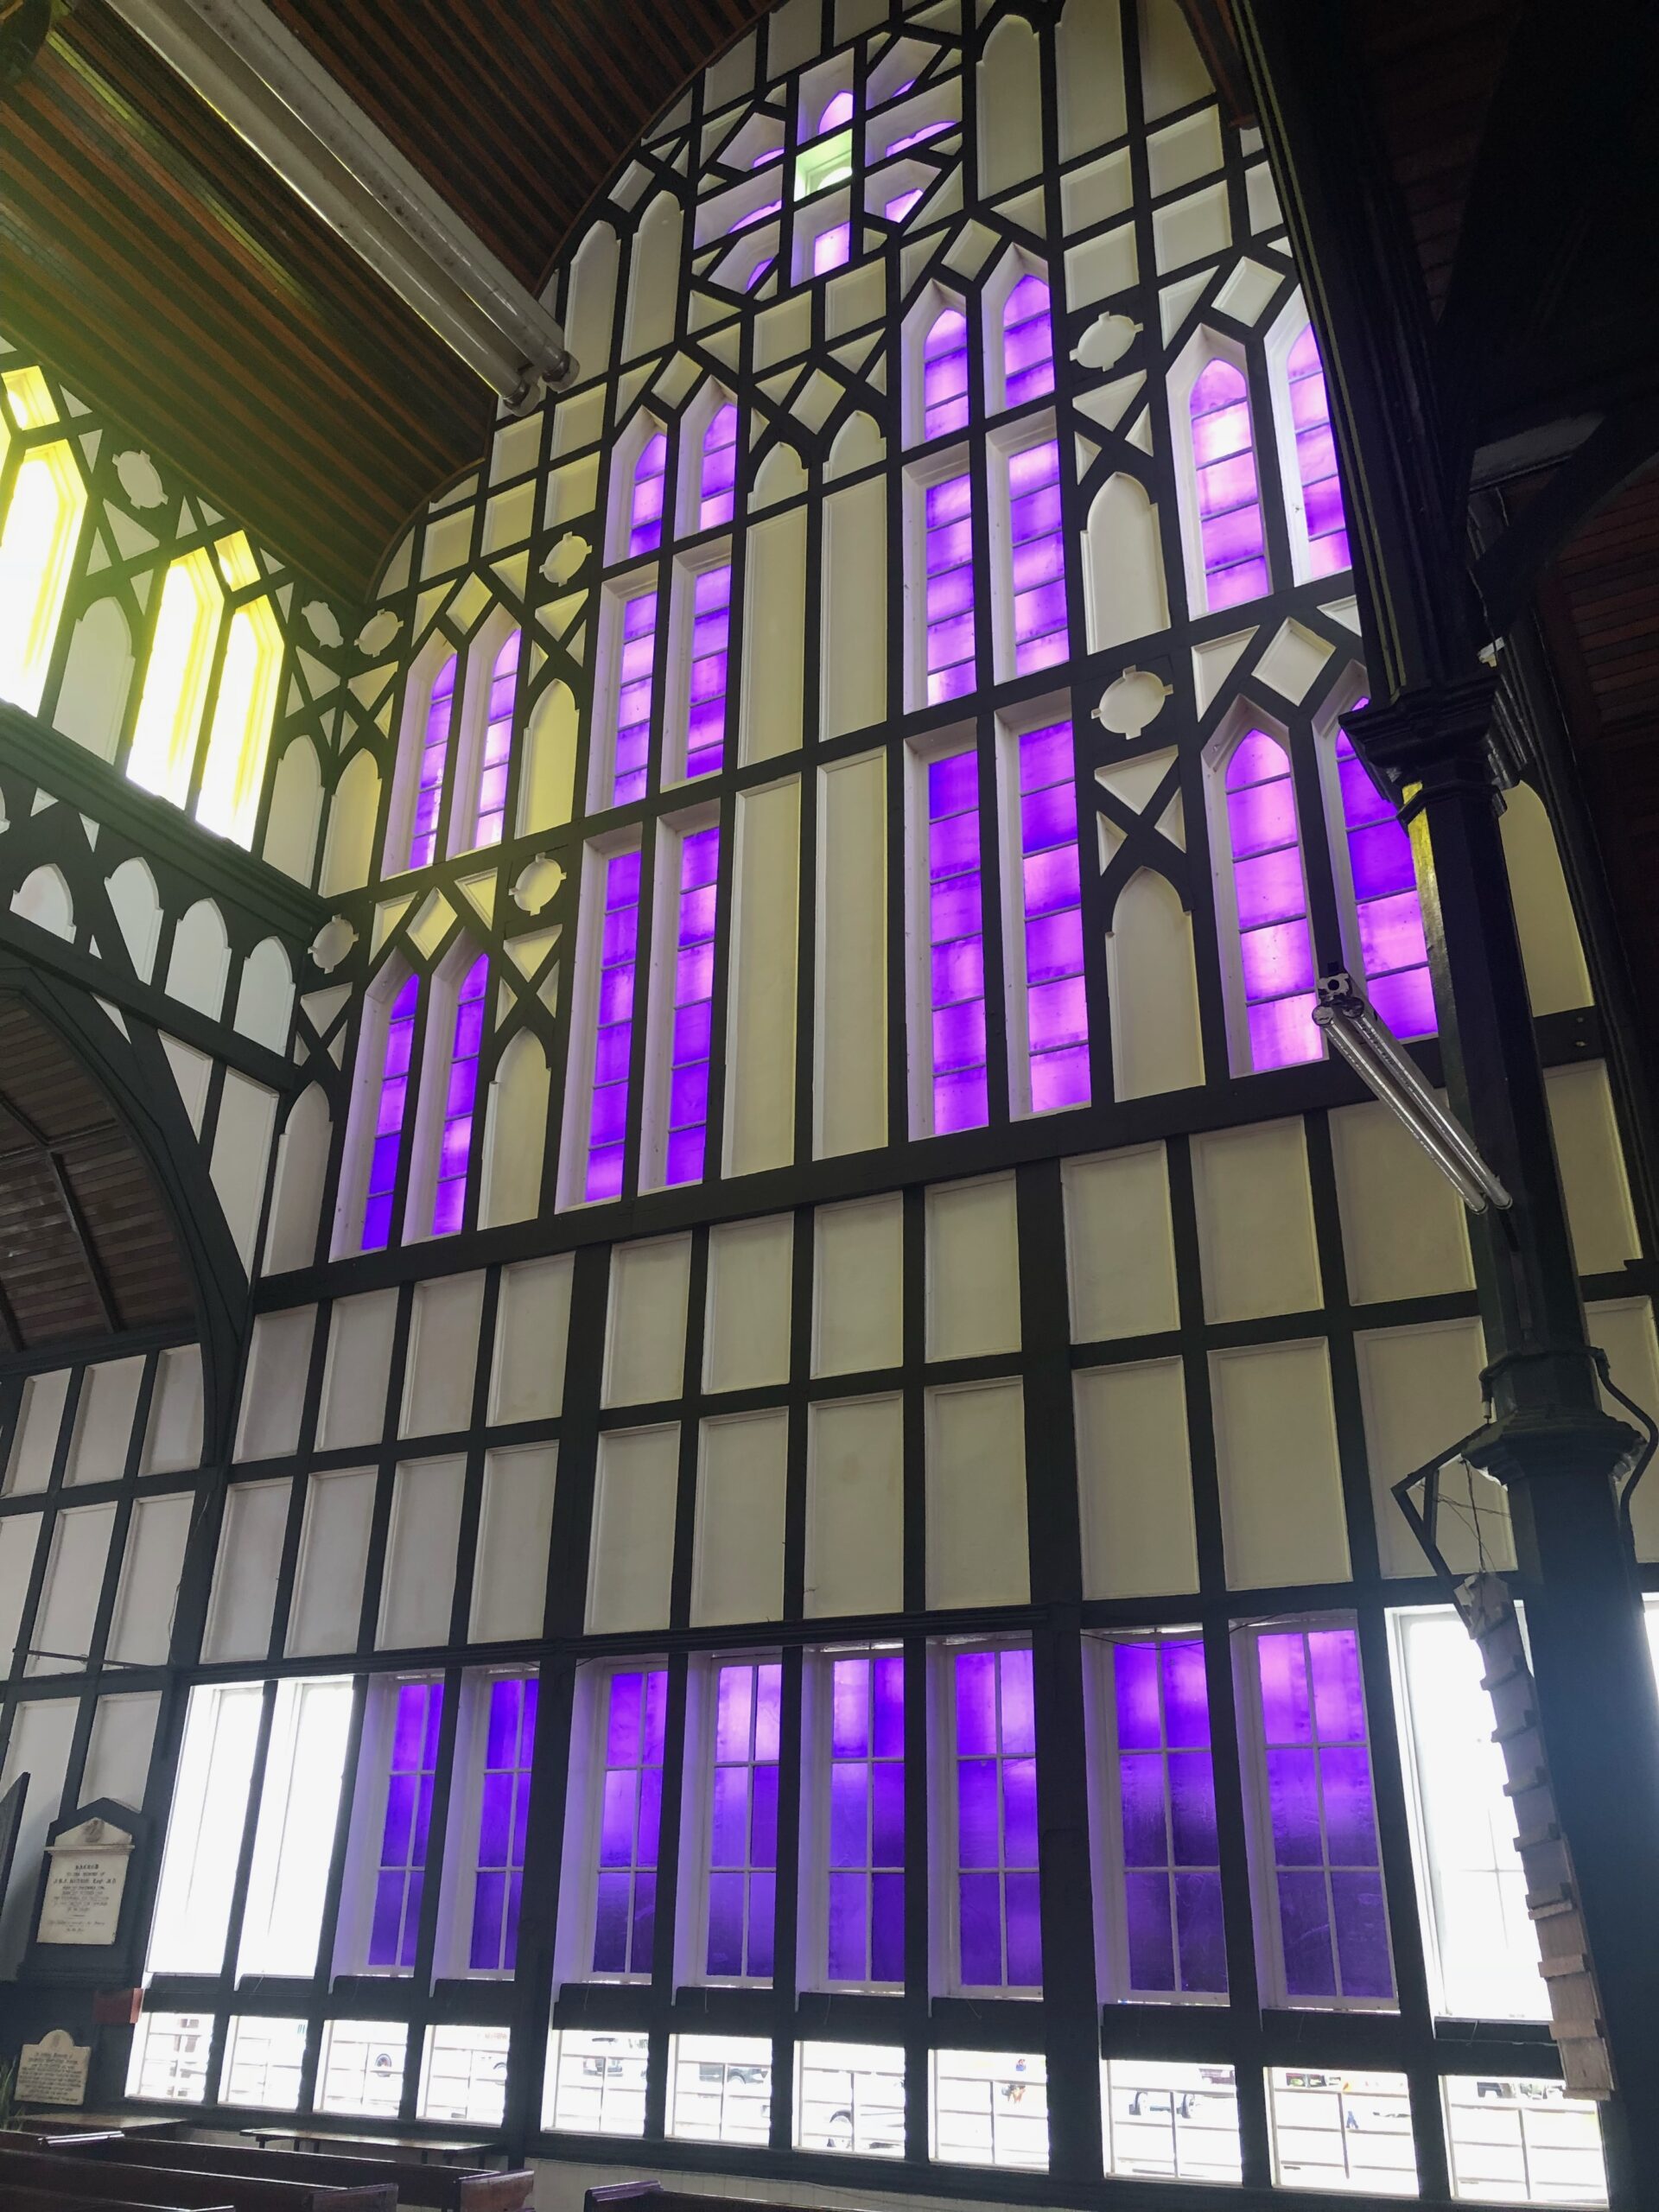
(828, 162)
(37, 550)
(175, 677)
(243, 713)
(29, 400)
(236, 560)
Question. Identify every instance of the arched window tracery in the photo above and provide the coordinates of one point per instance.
(495, 747)
(1324, 518)
(1232, 546)
(388, 1102)
(433, 765)
(1273, 943)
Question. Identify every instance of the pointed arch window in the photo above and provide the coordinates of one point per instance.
(496, 750)
(693, 1018)
(646, 495)
(607, 1111)
(1388, 910)
(400, 1878)
(945, 375)
(37, 543)
(1275, 961)
(389, 1100)
(460, 1095)
(176, 675)
(1231, 543)
(1027, 343)
(719, 468)
(956, 938)
(1323, 515)
(635, 697)
(434, 759)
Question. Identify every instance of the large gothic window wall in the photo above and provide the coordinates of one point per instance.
(806, 1566)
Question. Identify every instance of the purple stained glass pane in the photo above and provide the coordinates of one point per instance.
(630, 1788)
(1316, 458)
(1362, 1927)
(434, 757)
(1019, 1724)
(1305, 1935)
(832, 249)
(1057, 1010)
(763, 1913)
(955, 942)
(1202, 1933)
(704, 735)
(1141, 1796)
(607, 1111)
(1027, 343)
(887, 1928)
(694, 971)
(1166, 1816)
(1023, 1906)
(646, 499)
(490, 811)
(1151, 1944)
(1228, 497)
(1275, 947)
(724, 1954)
(1333, 1924)
(719, 468)
(976, 1702)
(503, 1817)
(636, 679)
(849, 1911)
(900, 204)
(945, 376)
(389, 1105)
(411, 1760)
(1388, 910)
(489, 1919)
(865, 1818)
(455, 1144)
(980, 1930)
(978, 1838)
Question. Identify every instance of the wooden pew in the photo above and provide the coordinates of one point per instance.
(50, 2200)
(77, 2174)
(442, 2189)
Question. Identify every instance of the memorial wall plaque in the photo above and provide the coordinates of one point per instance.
(85, 1881)
(53, 2071)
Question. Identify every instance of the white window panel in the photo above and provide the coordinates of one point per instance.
(1521, 2142)
(294, 1840)
(1341, 2131)
(850, 2096)
(204, 1832)
(719, 2088)
(362, 2067)
(169, 2056)
(74, 1582)
(1483, 1951)
(1177, 2122)
(464, 2075)
(595, 2082)
(263, 2060)
(990, 2108)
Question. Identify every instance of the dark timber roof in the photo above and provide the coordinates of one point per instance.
(86, 1248)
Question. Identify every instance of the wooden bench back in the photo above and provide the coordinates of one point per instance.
(441, 2189)
(79, 2174)
(50, 2200)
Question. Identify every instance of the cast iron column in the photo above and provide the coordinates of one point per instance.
(1550, 1444)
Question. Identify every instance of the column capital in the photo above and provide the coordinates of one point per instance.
(1435, 735)
(1563, 1442)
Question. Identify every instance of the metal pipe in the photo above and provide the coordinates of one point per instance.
(243, 64)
